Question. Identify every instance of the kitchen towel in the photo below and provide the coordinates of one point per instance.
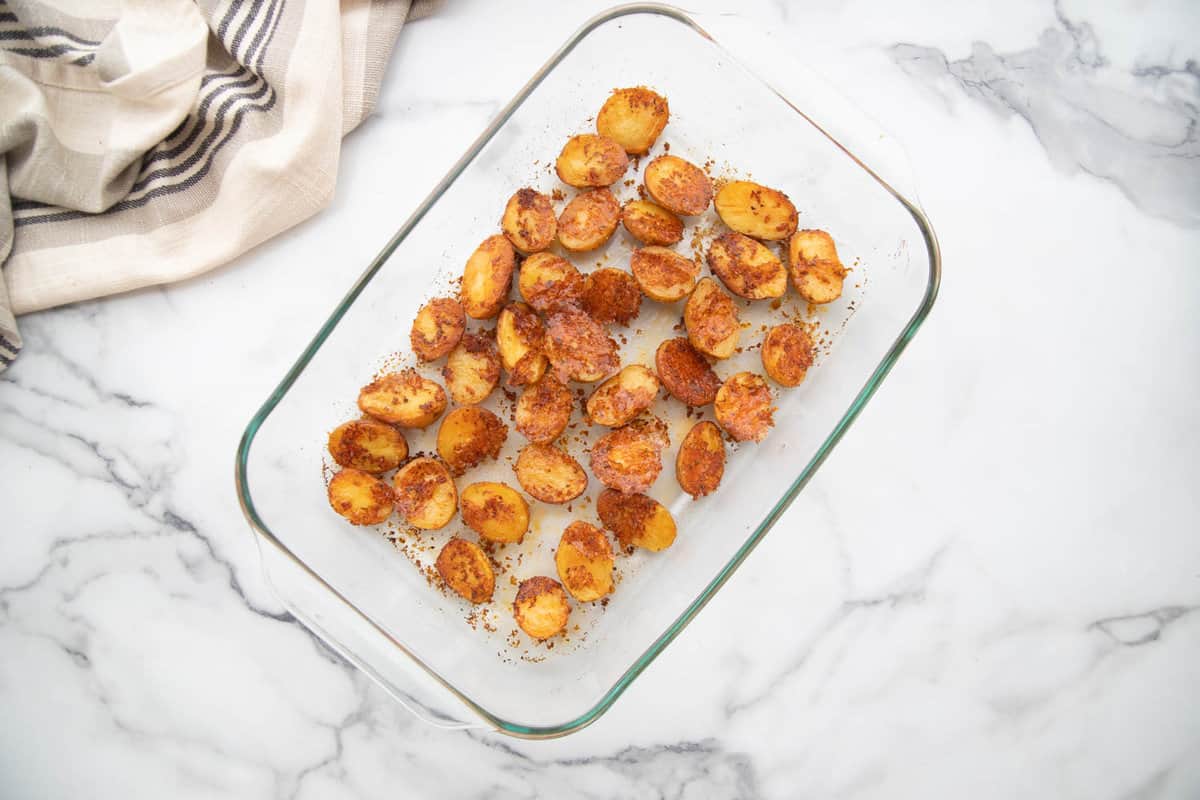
(147, 141)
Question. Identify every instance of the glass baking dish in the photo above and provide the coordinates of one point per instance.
(745, 108)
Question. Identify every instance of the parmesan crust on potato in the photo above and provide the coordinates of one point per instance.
(425, 493)
(633, 118)
(636, 519)
(651, 224)
(711, 319)
(747, 267)
(685, 372)
(611, 295)
(578, 347)
(468, 435)
(466, 570)
(548, 282)
(403, 398)
(588, 220)
(544, 410)
(589, 160)
(541, 608)
(584, 560)
(437, 328)
(549, 474)
(472, 369)
(700, 462)
(755, 210)
(623, 396)
(743, 407)
(663, 274)
(529, 221)
(787, 353)
(817, 272)
(495, 511)
(367, 445)
(487, 277)
(360, 497)
(678, 185)
(629, 459)
(521, 340)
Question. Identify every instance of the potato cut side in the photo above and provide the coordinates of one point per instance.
(360, 497)
(468, 435)
(521, 340)
(637, 520)
(544, 409)
(589, 160)
(629, 459)
(403, 398)
(787, 353)
(623, 396)
(633, 118)
(549, 474)
(367, 445)
(817, 272)
(588, 220)
(663, 274)
(711, 319)
(611, 295)
(425, 493)
(466, 570)
(495, 511)
(747, 267)
(651, 224)
(744, 407)
(529, 221)
(685, 372)
(700, 462)
(548, 282)
(678, 185)
(541, 608)
(488, 277)
(472, 369)
(579, 348)
(437, 328)
(755, 210)
(584, 559)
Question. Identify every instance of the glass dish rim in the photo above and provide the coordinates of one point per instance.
(263, 533)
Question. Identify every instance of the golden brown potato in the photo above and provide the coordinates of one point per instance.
(584, 559)
(529, 221)
(588, 160)
(743, 407)
(747, 267)
(663, 274)
(700, 462)
(367, 445)
(544, 410)
(548, 282)
(438, 327)
(651, 224)
(472, 369)
(465, 569)
(685, 372)
(636, 519)
(817, 272)
(711, 319)
(487, 277)
(623, 396)
(549, 474)
(425, 493)
(403, 398)
(361, 498)
(579, 348)
(633, 118)
(787, 353)
(521, 341)
(629, 459)
(495, 511)
(468, 435)
(588, 220)
(611, 295)
(678, 185)
(541, 607)
(756, 211)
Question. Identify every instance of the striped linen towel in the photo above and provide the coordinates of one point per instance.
(147, 141)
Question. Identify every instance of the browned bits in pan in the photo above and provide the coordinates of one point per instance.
(578, 347)
(711, 318)
(529, 221)
(495, 511)
(787, 353)
(465, 569)
(588, 160)
(588, 220)
(549, 474)
(472, 369)
(544, 410)
(755, 210)
(367, 445)
(629, 459)
(548, 282)
(541, 608)
(651, 224)
(700, 462)
(678, 185)
(663, 274)
(747, 267)
(743, 407)
(487, 277)
(685, 372)
(437, 328)
(584, 560)
(611, 295)
(817, 272)
(636, 519)
(468, 435)
(425, 493)
(360, 497)
(403, 398)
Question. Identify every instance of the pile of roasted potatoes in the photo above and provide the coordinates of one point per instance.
(558, 333)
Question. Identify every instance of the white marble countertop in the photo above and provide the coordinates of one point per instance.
(1013, 524)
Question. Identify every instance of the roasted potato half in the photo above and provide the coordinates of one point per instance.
(472, 369)
(743, 407)
(403, 398)
(588, 160)
(549, 474)
(629, 459)
(678, 185)
(548, 282)
(367, 445)
(579, 348)
(487, 277)
(711, 319)
(755, 210)
(465, 568)
(529, 221)
(544, 410)
(425, 493)
(700, 462)
(468, 435)
(611, 295)
(817, 272)
(521, 340)
(495, 511)
(663, 274)
(636, 519)
(541, 607)
(360, 497)
(584, 559)
(438, 327)
(588, 220)
(685, 372)
(787, 353)
(747, 267)
(623, 396)
(651, 224)
(633, 118)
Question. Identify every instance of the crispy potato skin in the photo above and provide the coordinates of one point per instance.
(548, 282)
(425, 494)
(711, 319)
(678, 185)
(584, 560)
(472, 369)
(360, 497)
(611, 295)
(588, 160)
(495, 511)
(629, 459)
(367, 445)
(623, 396)
(403, 398)
(544, 409)
(663, 274)
(521, 340)
(529, 221)
(636, 519)
(755, 210)
(549, 474)
(700, 462)
(468, 435)
(541, 608)
(465, 569)
(588, 220)
(787, 353)
(579, 348)
(487, 277)
(685, 372)
(743, 407)
(438, 327)
(817, 272)
(651, 224)
(633, 118)
(747, 267)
